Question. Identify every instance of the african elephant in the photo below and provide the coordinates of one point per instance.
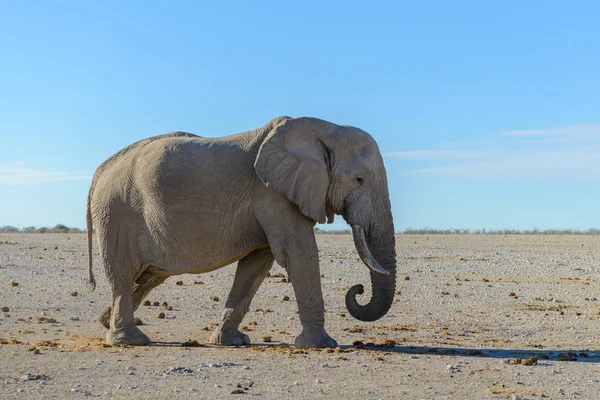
(180, 203)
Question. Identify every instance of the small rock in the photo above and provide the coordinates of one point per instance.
(267, 339)
(179, 283)
(160, 315)
(74, 318)
(146, 303)
(191, 343)
(156, 303)
(238, 391)
(570, 356)
(285, 298)
(215, 298)
(530, 361)
(14, 284)
(5, 309)
(138, 321)
(74, 294)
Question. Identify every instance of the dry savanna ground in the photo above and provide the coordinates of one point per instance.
(476, 316)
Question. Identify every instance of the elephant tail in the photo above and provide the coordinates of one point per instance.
(92, 281)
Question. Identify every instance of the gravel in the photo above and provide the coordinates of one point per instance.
(453, 332)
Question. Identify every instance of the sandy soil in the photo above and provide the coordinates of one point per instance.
(470, 309)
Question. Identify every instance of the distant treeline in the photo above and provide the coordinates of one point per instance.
(60, 228)
(535, 231)
(332, 232)
(432, 231)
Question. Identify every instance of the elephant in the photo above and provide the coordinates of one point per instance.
(181, 203)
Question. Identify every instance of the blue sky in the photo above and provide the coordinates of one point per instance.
(488, 113)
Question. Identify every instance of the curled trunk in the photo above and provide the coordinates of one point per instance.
(377, 250)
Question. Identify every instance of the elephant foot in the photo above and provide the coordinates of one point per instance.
(229, 337)
(104, 317)
(315, 340)
(130, 335)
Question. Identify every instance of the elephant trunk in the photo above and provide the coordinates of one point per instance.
(377, 250)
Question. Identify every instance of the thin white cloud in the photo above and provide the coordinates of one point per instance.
(19, 162)
(431, 154)
(590, 130)
(569, 153)
(568, 164)
(11, 175)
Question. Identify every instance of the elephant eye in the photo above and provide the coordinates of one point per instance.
(360, 180)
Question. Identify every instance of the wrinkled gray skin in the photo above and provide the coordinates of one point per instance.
(180, 203)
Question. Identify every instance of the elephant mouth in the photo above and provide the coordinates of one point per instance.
(358, 234)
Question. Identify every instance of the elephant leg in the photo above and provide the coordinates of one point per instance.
(251, 271)
(122, 326)
(294, 246)
(305, 276)
(143, 285)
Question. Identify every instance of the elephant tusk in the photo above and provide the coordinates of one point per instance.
(358, 234)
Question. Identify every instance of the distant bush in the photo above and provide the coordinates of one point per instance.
(60, 228)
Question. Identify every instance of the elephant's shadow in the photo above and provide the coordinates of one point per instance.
(511, 355)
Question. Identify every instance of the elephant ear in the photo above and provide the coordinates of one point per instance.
(294, 160)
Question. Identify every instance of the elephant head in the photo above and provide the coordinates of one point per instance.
(328, 169)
